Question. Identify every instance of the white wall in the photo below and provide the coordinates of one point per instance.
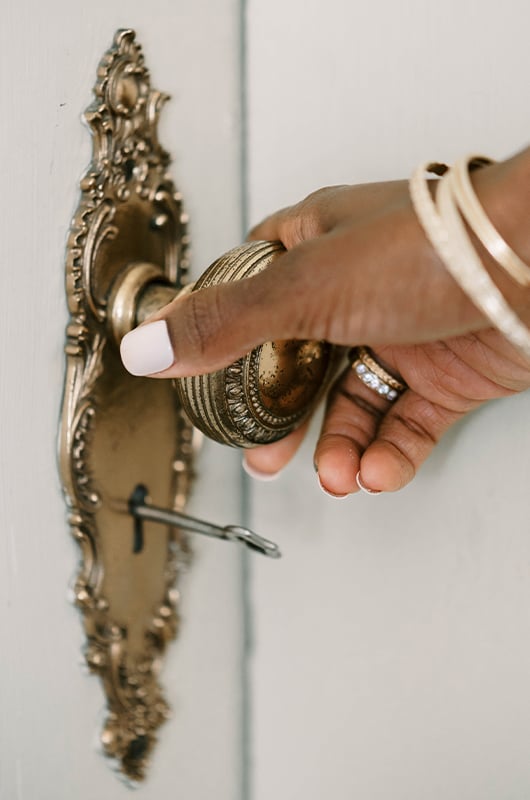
(392, 643)
(50, 709)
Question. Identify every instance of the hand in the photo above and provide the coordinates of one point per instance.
(363, 432)
(388, 442)
(359, 270)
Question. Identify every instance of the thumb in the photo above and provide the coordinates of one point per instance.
(208, 329)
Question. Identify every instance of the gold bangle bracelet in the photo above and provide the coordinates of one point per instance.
(446, 232)
(479, 222)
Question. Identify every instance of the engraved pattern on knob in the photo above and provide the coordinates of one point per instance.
(268, 393)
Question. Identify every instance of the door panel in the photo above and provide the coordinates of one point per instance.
(50, 710)
(392, 642)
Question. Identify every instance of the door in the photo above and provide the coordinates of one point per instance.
(393, 640)
(50, 709)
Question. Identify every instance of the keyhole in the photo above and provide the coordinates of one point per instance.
(138, 497)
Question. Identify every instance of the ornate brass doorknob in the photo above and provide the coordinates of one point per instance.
(260, 398)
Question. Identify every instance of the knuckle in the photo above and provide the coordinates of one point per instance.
(203, 320)
(358, 403)
(412, 426)
(309, 218)
(419, 427)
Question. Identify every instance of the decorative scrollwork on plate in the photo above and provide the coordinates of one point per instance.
(118, 431)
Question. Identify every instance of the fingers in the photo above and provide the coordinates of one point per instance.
(275, 227)
(366, 438)
(405, 438)
(266, 462)
(322, 210)
(351, 421)
(306, 220)
(210, 328)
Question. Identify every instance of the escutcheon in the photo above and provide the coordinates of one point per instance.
(119, 432)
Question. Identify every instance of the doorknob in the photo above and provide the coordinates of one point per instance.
(263, 396)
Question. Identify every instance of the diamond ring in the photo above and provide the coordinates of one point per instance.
(373, 375)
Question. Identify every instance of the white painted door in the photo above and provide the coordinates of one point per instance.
(392, 656)
(50, 710)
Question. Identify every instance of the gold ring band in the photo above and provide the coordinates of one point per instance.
(375, 376)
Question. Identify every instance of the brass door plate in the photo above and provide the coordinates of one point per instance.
(119, 432)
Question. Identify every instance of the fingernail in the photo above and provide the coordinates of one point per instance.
(331, 494)
(257, 474)
(147, 349)
(364, 488)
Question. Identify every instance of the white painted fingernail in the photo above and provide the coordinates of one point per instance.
(257, 474)
(147, 349)
(364, 488)
(331, 494)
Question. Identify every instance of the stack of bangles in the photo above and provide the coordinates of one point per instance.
(444, 220)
